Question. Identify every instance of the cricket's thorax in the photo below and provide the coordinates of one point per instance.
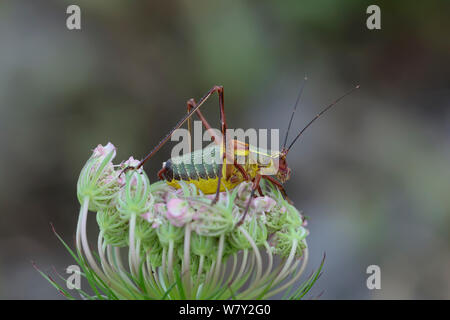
(201, 168)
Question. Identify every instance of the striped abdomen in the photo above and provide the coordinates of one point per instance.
(200, 164)
(201, 168)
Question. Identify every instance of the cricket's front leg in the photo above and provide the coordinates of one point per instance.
(280, 187)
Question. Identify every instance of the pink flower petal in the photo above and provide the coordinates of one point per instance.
(263, 203)
(101, 151)
(132, 162)
(176, 208)
(146, 216)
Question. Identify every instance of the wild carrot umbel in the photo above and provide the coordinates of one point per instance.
(178, 245)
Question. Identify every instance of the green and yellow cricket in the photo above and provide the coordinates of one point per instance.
(201, 168)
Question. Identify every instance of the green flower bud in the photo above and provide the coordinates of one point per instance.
(147, 236)
(285, 239)
(276, 218)
(134, 197)
(113, 227)
(255, 228)
(293, 216)
(98, 179)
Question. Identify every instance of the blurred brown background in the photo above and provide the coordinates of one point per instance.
(373, 175)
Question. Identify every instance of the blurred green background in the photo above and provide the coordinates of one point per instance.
(373, 175)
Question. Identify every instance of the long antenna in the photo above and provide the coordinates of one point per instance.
(293, 112)
(319, 114)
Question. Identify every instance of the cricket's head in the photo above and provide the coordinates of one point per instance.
(283, 172)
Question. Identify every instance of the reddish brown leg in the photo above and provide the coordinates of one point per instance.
(260, 191)
(279, 186)
(190, 105)
(247, 207)
(242, 171)
(223, 130)
(161, 173)
(217, 89)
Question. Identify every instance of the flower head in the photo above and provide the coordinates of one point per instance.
(98, 178)
(175, 234)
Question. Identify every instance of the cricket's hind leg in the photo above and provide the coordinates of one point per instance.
(256, 182)
(191, 105)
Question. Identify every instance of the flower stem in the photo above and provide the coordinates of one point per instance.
(133, 258)
(84, 241)
(186, 275)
